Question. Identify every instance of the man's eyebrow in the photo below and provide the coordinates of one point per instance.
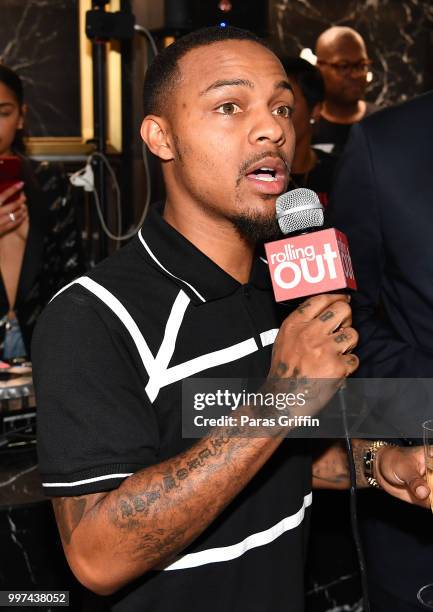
(228, 83)
(6, 104)
(284, 85)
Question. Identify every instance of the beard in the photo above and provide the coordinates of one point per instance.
(255, 228)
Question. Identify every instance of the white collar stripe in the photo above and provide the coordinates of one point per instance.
(146, 246)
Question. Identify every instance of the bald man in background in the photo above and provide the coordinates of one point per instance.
(343, 61)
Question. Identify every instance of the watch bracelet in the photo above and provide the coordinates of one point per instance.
(368, 462)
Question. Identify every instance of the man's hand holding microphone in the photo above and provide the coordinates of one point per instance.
(314, 345)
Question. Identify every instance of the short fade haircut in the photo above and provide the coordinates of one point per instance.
(163, 73)
(308, 77)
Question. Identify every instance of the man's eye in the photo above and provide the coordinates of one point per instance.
(228, 108)
(283, 111)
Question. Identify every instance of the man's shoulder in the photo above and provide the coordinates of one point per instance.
(130, 273)
(405, 116)
(124, 282)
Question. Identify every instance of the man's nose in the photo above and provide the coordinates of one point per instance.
(358, 72)
(267, 127)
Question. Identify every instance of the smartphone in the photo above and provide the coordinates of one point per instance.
(11, 172)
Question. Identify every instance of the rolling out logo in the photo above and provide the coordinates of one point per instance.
(310, 264)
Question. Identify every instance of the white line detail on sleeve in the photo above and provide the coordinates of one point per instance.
(76, 483)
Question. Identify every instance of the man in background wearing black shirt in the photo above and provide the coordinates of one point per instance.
(343, 61)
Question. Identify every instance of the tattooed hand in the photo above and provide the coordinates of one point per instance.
(313, 347)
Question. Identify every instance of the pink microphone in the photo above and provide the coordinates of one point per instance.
(307, 262)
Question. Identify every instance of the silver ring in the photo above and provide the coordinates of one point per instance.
(12, 217)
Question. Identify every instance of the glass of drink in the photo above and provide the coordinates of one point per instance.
(425, 594)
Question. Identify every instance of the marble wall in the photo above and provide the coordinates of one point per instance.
(39, 39)
(398, 34)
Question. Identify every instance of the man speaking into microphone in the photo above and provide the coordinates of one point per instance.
(155, 521)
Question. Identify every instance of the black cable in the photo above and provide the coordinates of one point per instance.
(353, 507)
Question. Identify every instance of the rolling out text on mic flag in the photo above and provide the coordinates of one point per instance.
(310, 263)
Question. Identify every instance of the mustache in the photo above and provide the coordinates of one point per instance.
(258, 157)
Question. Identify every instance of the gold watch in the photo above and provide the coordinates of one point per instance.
(369, 457)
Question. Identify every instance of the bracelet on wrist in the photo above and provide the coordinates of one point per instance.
(369, 458)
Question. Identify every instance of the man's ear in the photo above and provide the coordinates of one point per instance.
(154, 132)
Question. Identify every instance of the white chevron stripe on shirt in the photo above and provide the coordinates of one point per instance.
(228, 553)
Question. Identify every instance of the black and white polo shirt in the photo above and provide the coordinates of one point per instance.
(110, 353)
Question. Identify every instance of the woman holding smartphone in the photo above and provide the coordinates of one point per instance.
(39, 241)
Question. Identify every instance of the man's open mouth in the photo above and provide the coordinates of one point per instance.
(269, 175)
(265, 174)
(269, 169)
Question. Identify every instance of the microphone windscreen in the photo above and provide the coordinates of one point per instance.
(298, 210)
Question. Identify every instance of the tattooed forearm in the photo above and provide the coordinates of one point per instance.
(158, 511)
(161, 510)
(168, 483)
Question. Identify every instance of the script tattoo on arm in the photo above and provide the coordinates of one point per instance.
(169, 482)
(160, 509)
(173, 490)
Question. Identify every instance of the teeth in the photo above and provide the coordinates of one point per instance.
(266, 178)
(267, 169)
